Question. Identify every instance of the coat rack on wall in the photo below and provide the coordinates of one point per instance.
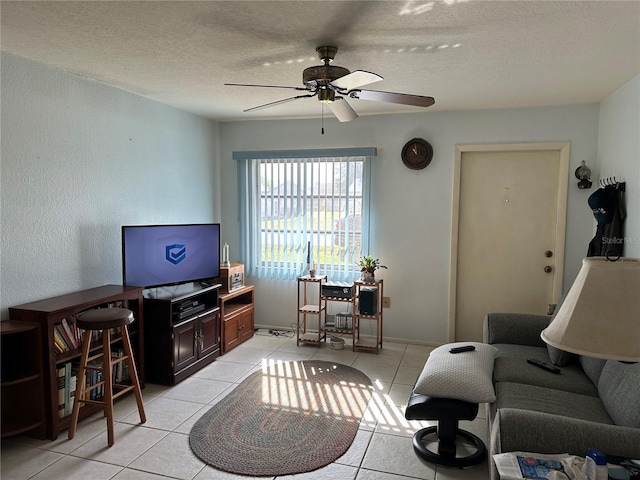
(612, 182)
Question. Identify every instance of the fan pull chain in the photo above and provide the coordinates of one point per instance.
(322, 118)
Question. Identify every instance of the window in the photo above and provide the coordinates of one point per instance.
(304, 205)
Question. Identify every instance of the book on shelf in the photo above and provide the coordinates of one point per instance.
(58, 343)
(68, 334)
(61, 389)
(94, 378)
(70, 388)
(67, 382)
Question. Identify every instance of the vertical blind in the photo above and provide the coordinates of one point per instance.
(304, 207)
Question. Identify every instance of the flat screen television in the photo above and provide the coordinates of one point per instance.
(160, 255)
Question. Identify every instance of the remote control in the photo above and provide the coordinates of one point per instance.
(464, 348)
(543, 365)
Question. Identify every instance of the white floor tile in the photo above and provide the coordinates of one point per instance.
(477, 472)
(407, 375)
(187, 425)
(165, 413)
(284, 356)
(210, 473)
(130, 474)
(86, 430)
(415, 357)
(172, 457)
(20, 462)
(229, 372)
(246, 354)
(333, 471)
(197, 390)
(355, 454)
(365, 474)
(393, 454)
(376, 371)
(130, 441)
(74, 468)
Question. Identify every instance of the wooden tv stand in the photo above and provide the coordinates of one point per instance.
(237, 312)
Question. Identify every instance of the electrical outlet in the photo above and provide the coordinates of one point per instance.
(386, 302)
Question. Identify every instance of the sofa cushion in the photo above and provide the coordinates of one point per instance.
(462, 376)
(592, 367)
(619, 389)
(511, 366)
(525, 430)
(549, 400)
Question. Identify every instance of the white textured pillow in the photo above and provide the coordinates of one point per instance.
(461, 376)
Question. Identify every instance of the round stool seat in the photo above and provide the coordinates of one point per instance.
(104, 318)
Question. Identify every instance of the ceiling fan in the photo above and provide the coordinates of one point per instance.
(332, 84)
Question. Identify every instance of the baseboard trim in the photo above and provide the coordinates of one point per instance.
(384, 339)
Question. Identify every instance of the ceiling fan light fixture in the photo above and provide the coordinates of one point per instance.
(326, 95)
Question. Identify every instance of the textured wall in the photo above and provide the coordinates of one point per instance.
(412, 209)
(619, 154)
(80, 159)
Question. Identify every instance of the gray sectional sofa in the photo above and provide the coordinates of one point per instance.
(591, 403)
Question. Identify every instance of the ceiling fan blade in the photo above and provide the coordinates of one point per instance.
(356, 79)
(265, 86)
(390, 97)
(278, 102)
(342, 110)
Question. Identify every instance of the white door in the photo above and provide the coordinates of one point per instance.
(508, 242)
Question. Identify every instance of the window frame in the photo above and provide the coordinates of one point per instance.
(250, 196)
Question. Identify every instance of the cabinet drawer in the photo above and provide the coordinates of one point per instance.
(237, 327)
(237, 309)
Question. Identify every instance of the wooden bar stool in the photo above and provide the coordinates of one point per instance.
(105, 319)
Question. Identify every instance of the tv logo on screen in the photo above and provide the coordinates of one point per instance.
(175, 253)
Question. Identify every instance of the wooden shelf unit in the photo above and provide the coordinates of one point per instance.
(328, 329)
(237, 313)
(310, 310)
(373, 343)
(21, 389)
(51, 311)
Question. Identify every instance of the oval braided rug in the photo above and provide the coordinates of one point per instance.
(291, 417)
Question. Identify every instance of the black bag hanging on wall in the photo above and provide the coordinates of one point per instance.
(607, 205)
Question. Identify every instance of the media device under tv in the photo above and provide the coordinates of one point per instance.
(160, 255)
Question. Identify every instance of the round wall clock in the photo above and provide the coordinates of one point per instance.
(417, 154)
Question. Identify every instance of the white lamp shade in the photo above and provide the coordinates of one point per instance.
(600, 317)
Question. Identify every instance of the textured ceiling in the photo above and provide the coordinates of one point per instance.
(466, 54)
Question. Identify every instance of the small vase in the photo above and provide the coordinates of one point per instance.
(368, 277)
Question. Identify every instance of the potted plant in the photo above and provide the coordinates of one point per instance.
(368, 266)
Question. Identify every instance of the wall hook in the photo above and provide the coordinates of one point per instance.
(583, 173)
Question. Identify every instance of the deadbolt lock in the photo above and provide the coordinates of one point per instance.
(548, 254)
(548, 269)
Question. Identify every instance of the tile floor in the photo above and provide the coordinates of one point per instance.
(159, 449)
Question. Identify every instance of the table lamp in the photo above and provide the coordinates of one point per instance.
(600, 317)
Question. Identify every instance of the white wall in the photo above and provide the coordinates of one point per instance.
(619, 153)
(412, 209)
(80, 159)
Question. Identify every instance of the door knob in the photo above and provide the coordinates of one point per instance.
(548, 269)
(548, 254)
